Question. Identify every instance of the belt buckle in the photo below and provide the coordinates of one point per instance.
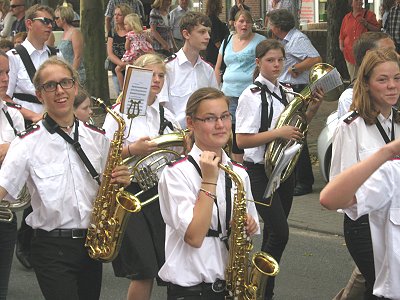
(218, 286)
(77, 233)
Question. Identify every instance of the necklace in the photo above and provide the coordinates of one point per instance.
(67, 127)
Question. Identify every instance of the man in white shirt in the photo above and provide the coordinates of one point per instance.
(186, 70)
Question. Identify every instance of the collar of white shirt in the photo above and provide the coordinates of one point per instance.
(273, 88)
(196, 152)
(181, 56)
(30, 48)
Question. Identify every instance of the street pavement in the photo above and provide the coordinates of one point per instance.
(316, 234)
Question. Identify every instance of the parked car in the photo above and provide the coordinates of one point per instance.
(324, 144)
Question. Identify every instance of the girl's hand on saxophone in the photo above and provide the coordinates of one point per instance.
(251, 225)
(121, 175)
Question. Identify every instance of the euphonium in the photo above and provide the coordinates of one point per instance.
(294, 115)
(145, 168)
(112, 206)
(7, 208)
(242, 282)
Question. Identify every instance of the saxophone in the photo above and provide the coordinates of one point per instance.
(245, 281)
(113, 205)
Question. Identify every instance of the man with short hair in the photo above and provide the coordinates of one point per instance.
(136, 5)
(175, 18)
(17, 8)
(186, 70)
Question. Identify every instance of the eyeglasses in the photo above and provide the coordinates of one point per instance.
(16, 5)
(51, 86)
(44, 20)
(213, 119)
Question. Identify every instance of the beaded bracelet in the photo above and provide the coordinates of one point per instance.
(209, 194)
(206, 182)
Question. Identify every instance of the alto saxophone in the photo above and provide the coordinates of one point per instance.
(113, 205)
(245, 281)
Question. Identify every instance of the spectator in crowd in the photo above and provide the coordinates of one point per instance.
(160, 26)
(6, 45)
(83, 106)
(356, 22)
(18, 10)
(116, 42)
(393, 24)
(135, 5)
(239, 5)
(384, 11)
(239, 59)
(186, 70)
(11, 123)
(219, 30)
(71, 43)
(301, 56)
(6, 19)
(19, 38)
(175, 17)
(293, 6)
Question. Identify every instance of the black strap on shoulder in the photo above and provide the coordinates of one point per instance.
(383, 132)
(27, 98)
(10, 121)
(226, 42)
(53, 50)
(26, 60)
(266, 119)
(164, 123)
(228, 186)
(53, 127)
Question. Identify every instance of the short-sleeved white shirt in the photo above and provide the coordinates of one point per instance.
(248, 115)
(178, 188)
(356, 141)
(20, 81)
(379, 197)
(182, 80)
(61, 188)
(344, 102)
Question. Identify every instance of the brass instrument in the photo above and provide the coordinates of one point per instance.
(145, 168)
(113, 205)
(294, 115)
(245, 281)
(7, 207)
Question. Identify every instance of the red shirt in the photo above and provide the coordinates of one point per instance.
(351, 30)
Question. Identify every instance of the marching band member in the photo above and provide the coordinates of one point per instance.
(259, 108)
(371, 124)
(62, 189)
(11, 122)
(195, 196)
(142, 250)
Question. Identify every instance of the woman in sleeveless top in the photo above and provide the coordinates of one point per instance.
(71, 44)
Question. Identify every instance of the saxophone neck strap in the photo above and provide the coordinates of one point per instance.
(52, 127)
(228, 186)
(383, 132)
(10, 121)
(164, 123)
(266, 119)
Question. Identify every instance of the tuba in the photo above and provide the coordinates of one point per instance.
(7, 208)
(244, 282)
(145, 168)
(112, 206)
(294, 115)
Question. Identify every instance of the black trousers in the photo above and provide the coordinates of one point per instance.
(64, 269)
(201, 291)
(276, 228)
(357, 235)
(25, 232)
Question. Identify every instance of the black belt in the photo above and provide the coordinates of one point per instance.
(62, 233)
(218, 286)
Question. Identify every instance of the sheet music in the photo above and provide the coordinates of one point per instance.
(136, 90)
(283, 160)
(328, 82)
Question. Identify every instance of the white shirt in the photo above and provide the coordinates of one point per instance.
(182, 79)
(248, 115)
(379, 197)
(7, 133)
(354, 142)
(19, 78)
(61, 188)
(178, 191)
(344, 103)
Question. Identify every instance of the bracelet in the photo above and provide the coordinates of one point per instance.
(129, 150)
(209, 194)
(206, 182)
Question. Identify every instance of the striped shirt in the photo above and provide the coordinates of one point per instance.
(392, 26)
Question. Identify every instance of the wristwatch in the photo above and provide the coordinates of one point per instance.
(293, 68)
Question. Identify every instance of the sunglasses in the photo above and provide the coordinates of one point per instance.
(44, 20)
(16, 5)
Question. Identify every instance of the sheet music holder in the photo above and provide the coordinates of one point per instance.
(135, 92)
(283, 160)
(328, 82)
